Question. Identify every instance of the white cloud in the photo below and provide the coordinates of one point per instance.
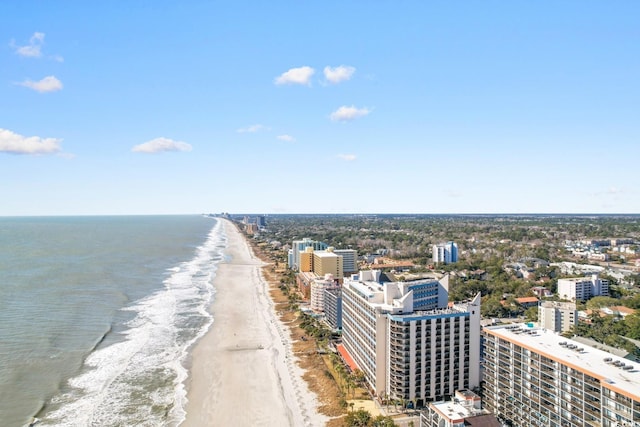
(48, 84)
(252, 129)
(299, 76)
(57, 58)
(11, 142)
(160, 145)
(338, 74)
(33, 49)
(287, 138)
(345, 113)
(347, 157)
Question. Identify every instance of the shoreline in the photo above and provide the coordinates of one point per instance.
(243, 370)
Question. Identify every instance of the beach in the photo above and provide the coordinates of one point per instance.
(243, 372)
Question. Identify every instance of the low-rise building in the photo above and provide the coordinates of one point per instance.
(464, 409)
(527, 302)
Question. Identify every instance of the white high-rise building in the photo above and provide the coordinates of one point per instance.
(318, 287)
(582, 288)
(408, 353)
(445, 253)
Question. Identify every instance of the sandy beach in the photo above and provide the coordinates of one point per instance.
(242, 371)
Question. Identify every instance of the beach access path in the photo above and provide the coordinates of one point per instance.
(242, 371)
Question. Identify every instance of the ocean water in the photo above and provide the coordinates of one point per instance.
(97, 315)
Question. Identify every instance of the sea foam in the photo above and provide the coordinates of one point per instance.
(139, 378)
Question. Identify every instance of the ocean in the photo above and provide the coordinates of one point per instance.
(97, 315)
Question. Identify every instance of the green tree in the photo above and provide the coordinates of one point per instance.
(383, 421)
(359, 418)
(531, 314)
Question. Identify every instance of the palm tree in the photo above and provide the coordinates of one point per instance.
(403, 404)
(340, 371)
(352, 384)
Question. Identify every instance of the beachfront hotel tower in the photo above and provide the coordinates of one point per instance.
(418, 355)
(445, 253)
(328, 262)
(534, 377)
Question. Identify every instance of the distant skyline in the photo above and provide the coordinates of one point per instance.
(158, 107)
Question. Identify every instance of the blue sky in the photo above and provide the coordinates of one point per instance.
(159, 107)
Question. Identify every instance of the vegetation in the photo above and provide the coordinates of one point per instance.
(363, 418)
(487, 245)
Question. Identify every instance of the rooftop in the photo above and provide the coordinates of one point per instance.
(615, 372)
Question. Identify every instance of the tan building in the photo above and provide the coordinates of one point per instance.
(327, 262)
(306, 260)
(557, 316)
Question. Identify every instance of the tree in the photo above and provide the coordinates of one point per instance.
(359, 418)
(383, 421)
(601, 301)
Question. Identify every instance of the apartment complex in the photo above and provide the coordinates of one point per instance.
(582, 288)
(418, 355)
(445, 253)
(533, 377)
(557, 316)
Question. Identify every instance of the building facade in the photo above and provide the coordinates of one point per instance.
(318, 286)
(533, 377)
(445, 253)
(328, 262)
(299, 246)
(415, 355)
(557, 316)
(349, 260)
(333, 307)
(306, 260)
(582, 288)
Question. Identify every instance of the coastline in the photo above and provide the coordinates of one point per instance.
(243, 370)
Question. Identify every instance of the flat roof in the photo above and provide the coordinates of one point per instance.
(454, 411)
(364, 288)
(325, 254)
(614, 372)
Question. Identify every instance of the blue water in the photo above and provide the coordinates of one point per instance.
(97, 315)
